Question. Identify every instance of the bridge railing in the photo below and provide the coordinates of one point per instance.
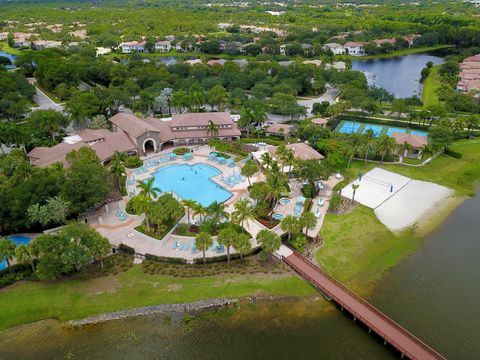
(384, 317)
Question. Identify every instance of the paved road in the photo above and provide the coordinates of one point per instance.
(43, 101)
(330, 95)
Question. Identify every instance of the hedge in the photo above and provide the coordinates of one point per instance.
(222, 258)
(133, 162)
(126, 249)
(453, 153)
(181, 151)
(173, 260)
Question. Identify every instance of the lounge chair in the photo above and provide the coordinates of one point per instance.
(180, 246)
(321, 201)
(185, 247)
(174, 245)
(317, 213)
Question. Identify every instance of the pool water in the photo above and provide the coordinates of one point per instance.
(17, 240)
(350, 127)
(278, 216)
(191, 182)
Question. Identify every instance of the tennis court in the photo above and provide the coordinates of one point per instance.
(375, 187)
(351, 127)
(376, 129)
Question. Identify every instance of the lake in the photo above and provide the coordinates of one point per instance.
(399, 75)
(434, 293)
(10, 57)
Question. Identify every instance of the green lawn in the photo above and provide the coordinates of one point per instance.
(32, 301)
(7, 48)
(432, 83)
(358, 243)
(396, 53)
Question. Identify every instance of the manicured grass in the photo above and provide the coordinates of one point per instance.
(7, 48)
(403, 52)
(412, 161)
(444, 170)
(432, 83)
(358, 243)
(32, 301)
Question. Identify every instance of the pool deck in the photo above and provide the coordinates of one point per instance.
(123, 232)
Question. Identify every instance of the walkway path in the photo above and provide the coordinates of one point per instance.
(389, 330)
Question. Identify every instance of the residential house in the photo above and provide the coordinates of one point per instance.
(82, 34)
(213, 62)
(415, 142)
(23, 39)
(193, 61)
(355, 48)
(133, 46)
(301, 151)
(102, 51)
(335, 48)
(283, 49)
(45, 44)
(308, 49)
(242, 63)
(391, 41)
(469, 77)
(312, 62)
(280, 130)
(3, 36)
(163, 46)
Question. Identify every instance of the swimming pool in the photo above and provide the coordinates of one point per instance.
(419, 133)
(191, 182)
(17, 240)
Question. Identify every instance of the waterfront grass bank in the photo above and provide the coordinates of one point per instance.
(27, 302)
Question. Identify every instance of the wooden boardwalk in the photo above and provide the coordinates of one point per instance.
(406, 343)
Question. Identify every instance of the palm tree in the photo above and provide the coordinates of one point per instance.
(269, 241)
(246, 119)
(308, 221)
(190, 205)
(368, 142)
(243, 211)
(248, 170)
(7, 251)
(276, 183)
(217, 211)
(354, 145)
(354, 187)
(290, 224)
(212, 128)
(147, 188)
(386, 145)
(142, 204)
(203, 241)
(259, 114)
(405, 148)
(241, 244)
(427, 150)
(25, 254)
(289, 159)
(226, 237)
(117, 169)
(267, 160)
(198, 209)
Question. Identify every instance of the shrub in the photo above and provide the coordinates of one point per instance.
(133, 162)
(126, 249)
(172, 260)
(335, 201)
(268, 141)
(181, 150)
(298, 242)
(222, 258)
(183, 229)
(453, 153)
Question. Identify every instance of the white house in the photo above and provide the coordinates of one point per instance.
(163, 46)
(283, 49)
(132, 46)
(355, 48)
(3, 36)
(335, 48)
(308, 49)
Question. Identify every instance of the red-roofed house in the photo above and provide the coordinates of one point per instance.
(280, 130)
(320, 122)
(355, 48)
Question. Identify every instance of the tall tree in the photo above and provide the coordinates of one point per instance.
(308, 221)
(249, 169)
(148, 189)
(7, 252)
(203, 241)
(269, 242)
(290, 225)
(243, 212)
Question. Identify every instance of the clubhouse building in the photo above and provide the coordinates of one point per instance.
(132, 135)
